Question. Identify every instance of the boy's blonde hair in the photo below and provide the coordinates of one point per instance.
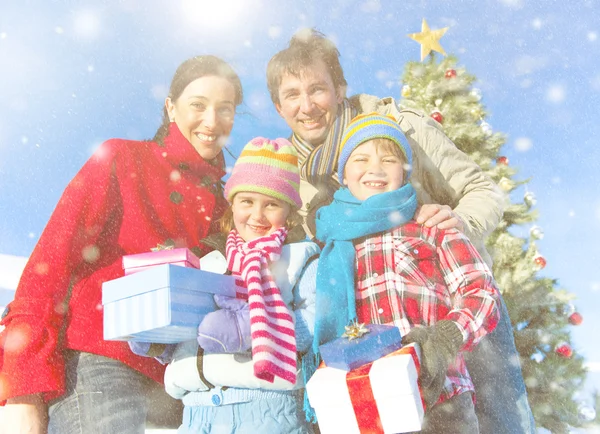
(390, 146)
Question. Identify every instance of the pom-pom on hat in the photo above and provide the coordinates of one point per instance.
(269, 167)
(371, 126)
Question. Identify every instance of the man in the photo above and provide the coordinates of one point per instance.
(308, 88)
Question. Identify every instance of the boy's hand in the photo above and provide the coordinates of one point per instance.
(432, 214)
(439, 346)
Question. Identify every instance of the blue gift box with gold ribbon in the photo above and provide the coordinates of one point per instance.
(163, 304)
(359, 345)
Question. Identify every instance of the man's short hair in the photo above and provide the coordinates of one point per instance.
(305, 48)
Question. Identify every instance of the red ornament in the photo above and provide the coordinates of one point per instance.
(540, 261)
(564, 350)
(450, 73)
(575, 318)
(437, 116)
(502, 160)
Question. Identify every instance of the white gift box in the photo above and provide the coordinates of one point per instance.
(163, 304)
(397, 406)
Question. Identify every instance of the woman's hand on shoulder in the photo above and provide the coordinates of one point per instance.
(24, 415)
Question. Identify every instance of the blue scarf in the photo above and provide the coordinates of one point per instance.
(344, 220)
(347, 219)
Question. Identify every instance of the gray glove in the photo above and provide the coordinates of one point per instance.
(226, 330)
(439, 347)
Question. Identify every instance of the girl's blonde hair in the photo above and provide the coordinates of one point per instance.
(226, 222)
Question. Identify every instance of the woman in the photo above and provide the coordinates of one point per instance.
(130, 196)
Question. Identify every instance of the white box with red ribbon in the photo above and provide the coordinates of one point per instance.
(379, 397)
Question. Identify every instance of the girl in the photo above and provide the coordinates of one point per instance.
(56, 370)
(261, 392)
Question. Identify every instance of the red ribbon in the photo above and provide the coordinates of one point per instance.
(361, 393)
(363, 401)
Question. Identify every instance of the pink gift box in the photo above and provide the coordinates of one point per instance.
(142, 261)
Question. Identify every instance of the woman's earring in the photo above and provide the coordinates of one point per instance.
(171, 120)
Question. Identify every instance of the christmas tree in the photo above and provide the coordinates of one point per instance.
(541, 312)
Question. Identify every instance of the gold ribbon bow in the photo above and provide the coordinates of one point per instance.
(355, 331)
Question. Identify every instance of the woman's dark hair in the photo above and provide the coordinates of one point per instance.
(190, 70)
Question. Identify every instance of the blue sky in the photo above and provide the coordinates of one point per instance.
(75, 73)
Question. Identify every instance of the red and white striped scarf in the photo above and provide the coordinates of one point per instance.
(271, 323)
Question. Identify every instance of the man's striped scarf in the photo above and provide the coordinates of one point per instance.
(318, 164)
(271, 322)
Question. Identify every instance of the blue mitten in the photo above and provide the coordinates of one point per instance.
(161, 352)
(226, 330)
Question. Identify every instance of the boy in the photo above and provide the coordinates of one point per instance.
(380, 266)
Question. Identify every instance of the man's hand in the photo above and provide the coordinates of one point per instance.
(432, 214)
(25, 415)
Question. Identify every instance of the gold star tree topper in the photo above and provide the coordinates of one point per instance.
(429, 39)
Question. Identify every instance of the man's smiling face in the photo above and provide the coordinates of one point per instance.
(309, 102)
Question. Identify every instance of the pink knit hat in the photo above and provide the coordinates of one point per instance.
(269, 167)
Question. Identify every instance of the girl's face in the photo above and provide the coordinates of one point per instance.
(204, 114)
(256, 215)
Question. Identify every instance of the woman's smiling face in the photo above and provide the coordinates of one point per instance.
(204, 113)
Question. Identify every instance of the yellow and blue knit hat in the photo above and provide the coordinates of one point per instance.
(371, 126)
(269, 167)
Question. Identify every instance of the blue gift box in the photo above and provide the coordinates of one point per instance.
(163, 304)
(349, 354)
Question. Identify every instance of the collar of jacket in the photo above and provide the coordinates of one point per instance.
(180, 153)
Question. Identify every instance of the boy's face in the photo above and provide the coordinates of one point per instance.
(308, 102)
(256, 215)
(373, 168)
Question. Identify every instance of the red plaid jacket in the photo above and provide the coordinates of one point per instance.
(415, 276)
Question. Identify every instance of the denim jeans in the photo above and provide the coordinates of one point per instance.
(104, 396)
(501, 397)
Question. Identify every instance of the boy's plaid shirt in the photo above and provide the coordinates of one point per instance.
(414, 275)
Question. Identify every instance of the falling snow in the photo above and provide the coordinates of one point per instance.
(523, 144)
(83, 75)
(86, 24)
(556, 93)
